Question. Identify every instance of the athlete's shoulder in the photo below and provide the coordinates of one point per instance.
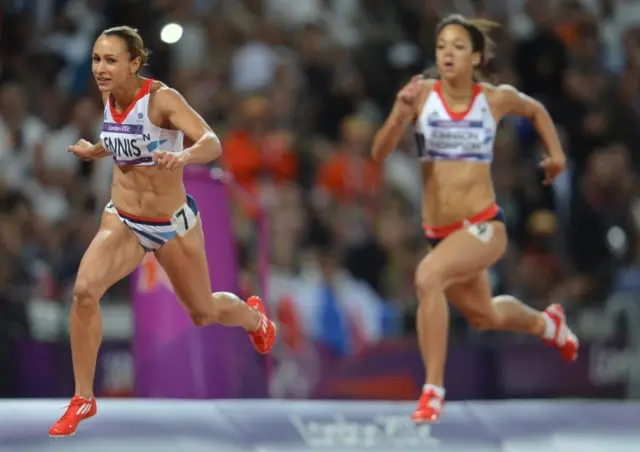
(164, 96)
(501, 97)
(502, 91)
(428, 83)
(157, 86)
(160, 91)
(507, 99)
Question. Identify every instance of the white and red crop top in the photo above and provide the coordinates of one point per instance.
(444, 135)
(131, 137)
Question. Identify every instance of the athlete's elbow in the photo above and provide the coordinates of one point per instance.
(378, 157)
(537, 111)
(214, 146)
(378, 153)
(217, 151)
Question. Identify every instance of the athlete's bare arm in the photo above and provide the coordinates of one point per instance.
(405, 111)
(175, 109)
(87, 151)
(510, 101)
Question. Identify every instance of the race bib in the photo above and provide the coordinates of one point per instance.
(110, 208)
(183, 220)
(481, 231)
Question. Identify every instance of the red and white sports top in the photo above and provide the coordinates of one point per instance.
(444, 135)
(131, 138)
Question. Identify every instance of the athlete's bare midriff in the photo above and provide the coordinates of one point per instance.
(455, 190)
(148, 191)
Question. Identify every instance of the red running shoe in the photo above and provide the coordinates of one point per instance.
(429, 408)
(265, 336)
(78, 410)
(564, 340)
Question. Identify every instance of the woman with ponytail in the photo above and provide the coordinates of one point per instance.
(455, 117)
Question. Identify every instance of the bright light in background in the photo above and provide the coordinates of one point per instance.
(171, 33)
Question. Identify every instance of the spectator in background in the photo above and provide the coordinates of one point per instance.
(254, 151)
(629, 89)
(20, 133)
(254, 64)
(189, 53)
(604, 236)
(400, 172)
(328, 304)
(349, 175)
(57, 172)
(541, 57)
(537, 271)
(13, 322)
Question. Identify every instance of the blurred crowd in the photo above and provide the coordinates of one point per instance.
(296, 90)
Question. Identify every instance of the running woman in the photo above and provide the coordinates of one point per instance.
(455, 118)
(145, 126)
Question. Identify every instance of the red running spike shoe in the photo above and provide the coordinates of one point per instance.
(78, 410)
(564, 340)
(429, 408)
(265, 336)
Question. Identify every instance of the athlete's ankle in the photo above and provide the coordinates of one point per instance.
(84, 395)
(438, 390)
(546, 327)
(539, 327)
(252, 324)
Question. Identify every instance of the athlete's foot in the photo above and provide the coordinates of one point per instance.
(78, 410)
(429, 407)
(265, 336)
(557, 333)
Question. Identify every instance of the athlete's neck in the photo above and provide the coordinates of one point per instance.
(124, 96)
(457, 90)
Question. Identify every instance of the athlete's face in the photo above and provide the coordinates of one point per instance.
(112, 64)
(454, 52)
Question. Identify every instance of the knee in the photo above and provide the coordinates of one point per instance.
(199, 319)
(204, 317)
(215, 310)
(484, 321)
(489, 319)
(85, 294)
(428, 278)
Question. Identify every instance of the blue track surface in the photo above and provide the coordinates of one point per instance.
(269, 425)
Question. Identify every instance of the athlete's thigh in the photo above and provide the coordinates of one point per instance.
(472, 296)
(113, 254)
(466, 252)
(184, 261)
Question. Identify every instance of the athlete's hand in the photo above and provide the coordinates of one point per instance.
(83, 150)
(169, 160)
(404, 107)
(553, 166)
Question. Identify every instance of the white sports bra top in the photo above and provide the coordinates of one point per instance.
(131, 137)
(445, 135)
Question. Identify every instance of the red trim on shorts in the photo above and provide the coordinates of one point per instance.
(440, 232)
(143, 91)
(158, 221)
(457, 116)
